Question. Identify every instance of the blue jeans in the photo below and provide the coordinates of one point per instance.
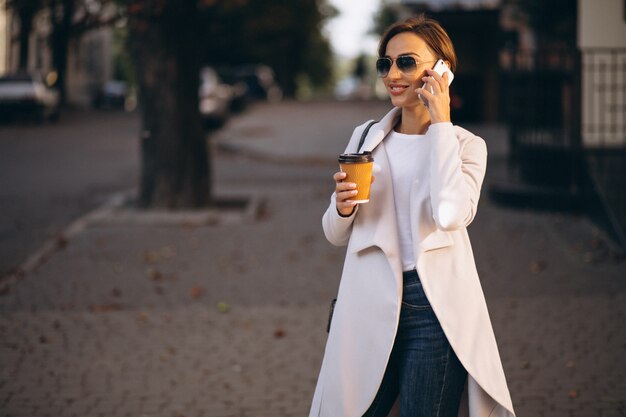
(422, 369)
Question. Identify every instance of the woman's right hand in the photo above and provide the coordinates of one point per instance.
(343, 192)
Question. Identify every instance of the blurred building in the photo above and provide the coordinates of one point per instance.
(602, 43)
(555, 73)
(90, 56)
(4, 38)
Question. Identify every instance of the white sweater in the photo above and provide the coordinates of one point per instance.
(409, 159)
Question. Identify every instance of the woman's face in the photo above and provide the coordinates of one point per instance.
(400, 86)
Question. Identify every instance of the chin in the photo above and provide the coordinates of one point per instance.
(398, 101)
(404, 103)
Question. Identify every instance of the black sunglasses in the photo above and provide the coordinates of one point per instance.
(405, 63)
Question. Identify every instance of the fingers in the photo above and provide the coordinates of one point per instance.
(339, 176)
(425, 93)
(343, 190)
(343, 194)
(433, 84)
(438, 82)
(440, 79)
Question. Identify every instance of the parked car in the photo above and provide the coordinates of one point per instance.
(260, 82)
(214, 97)
(239, 99)
(113, 94)
(26, 94)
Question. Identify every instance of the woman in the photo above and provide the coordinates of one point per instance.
(410, 334)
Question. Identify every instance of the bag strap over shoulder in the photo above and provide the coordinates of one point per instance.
(364, 135)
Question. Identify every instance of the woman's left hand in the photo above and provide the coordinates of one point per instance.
(439, 101)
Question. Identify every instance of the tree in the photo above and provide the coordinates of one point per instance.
(170, 39)
(283, 34)
(70, 20)
(385, 17)
(25, 11)
(163, 39)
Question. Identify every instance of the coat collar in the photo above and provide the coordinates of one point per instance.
(379, 130)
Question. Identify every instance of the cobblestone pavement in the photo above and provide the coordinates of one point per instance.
(228, 319)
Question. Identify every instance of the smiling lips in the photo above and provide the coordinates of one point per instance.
(397, 89)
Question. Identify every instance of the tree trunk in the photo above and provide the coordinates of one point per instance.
(62, 18)
(26, 14)
(175, 169)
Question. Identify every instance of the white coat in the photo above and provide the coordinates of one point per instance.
(367, 312)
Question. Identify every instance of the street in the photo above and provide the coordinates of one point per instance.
(228, 319)
(51, 174)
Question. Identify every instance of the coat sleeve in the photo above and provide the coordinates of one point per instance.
(457, 171)
(337, 228)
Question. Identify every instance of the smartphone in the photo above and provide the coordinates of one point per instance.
(440, 68)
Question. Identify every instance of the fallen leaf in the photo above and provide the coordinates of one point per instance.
(223, 307)
(104, 308)
(196, 292)
(573, 393)
(149, 257)
(279, 333)
(61, 241)
(154, 274)
(142, 318)
(538, 266)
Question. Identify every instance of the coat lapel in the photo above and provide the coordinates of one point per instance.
(379, 130)
(376, 223)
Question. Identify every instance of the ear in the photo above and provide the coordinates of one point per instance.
(448, 64)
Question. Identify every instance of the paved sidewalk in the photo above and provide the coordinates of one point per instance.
(228, 319)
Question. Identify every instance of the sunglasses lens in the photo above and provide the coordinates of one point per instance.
(383, 65)
(406, 64)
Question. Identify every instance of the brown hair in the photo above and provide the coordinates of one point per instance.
(429, 30)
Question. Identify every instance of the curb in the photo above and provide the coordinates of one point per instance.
(53, 245)
(227, 209)
(233, 149)
(114, 212)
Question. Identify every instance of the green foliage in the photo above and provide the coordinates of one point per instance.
(385, 17)
(284, 34)
(122, 62)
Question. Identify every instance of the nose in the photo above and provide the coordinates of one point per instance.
(394, 72)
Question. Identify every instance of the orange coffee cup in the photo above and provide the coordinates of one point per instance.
(358, 169)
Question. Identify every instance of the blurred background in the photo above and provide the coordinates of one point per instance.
(544, 69)
(114, 110)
